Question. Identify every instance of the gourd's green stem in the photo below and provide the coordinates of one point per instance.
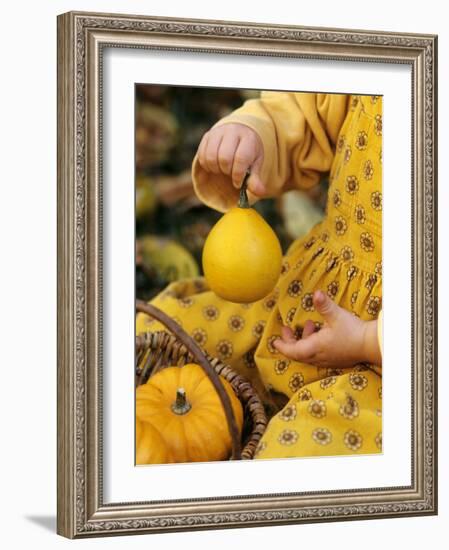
(181, 405)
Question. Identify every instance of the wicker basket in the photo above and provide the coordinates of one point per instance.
(156, 350)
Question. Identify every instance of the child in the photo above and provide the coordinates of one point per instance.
(315, 337)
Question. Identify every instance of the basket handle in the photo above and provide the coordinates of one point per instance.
(196, 351)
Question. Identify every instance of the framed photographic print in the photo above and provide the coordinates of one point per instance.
(246, 274)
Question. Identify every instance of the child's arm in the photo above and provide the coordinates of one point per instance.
(287, 139)
(343, 341)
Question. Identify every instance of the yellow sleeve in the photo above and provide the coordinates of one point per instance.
(298, 133)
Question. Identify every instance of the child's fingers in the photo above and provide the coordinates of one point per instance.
(211, 153)
(287, 334)
(299, 350)
(226, 152)
(232, 149)
(202, 150)
(309, 328)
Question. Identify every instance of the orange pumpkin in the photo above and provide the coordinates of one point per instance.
(150, 447)
(185, 410)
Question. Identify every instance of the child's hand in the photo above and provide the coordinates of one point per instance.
(232, 149)
(343, 341)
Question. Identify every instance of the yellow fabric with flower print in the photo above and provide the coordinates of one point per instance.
(329, 411)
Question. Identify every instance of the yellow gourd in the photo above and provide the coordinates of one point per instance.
(181, 404)
(242, 256)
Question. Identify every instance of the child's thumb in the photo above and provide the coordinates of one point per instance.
(256, 185)
(325, 306)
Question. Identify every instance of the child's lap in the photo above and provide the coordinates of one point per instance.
(336, 415)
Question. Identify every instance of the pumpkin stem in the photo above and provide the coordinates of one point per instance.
(181, 405)
(243, 200)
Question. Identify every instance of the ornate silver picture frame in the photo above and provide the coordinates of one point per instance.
(82, 41)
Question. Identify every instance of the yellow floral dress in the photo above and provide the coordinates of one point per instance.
(328, 411)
